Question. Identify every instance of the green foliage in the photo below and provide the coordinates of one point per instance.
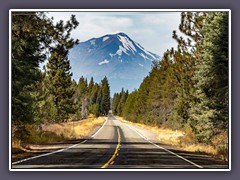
(91, 98)
(58, 72)
(38, 96)
(28, 41)
(130, 107)
(189, 86)
(115, 102)
(118, 102)
(94, 109)
(105, 96)
(209, 112)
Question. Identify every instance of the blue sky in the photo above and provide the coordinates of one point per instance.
(153, 30)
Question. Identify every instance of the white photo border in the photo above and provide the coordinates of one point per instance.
(117, 10)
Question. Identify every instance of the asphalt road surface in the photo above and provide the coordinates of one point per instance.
(118, 145)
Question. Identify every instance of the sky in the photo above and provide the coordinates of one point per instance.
(152, 30)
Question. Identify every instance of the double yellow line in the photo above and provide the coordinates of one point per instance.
(115, 154)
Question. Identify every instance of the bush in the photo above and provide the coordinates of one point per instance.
(189, 136)
(173, 122)
(220, 142)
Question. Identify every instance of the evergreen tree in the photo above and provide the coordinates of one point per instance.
(141, 104)
(130, 107)
(185, 59)
(122, 99)
(115, 102)
(90, 87)
(82, 88)
(105, 100)
(99, 100)
(28, 43)
(81, 95)
(58, 71)
(162, 91)
(209, 112)
(94, 94)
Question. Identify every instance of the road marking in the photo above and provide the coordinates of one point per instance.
(161, 146)
(60, 150)
(115, 154)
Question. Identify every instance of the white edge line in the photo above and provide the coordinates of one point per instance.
(100, 128)
(60, 150)
(161, 146)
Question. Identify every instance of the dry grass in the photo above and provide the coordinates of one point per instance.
(185, 140)
(201, 148)
(51, 133)
(75, 129)
(165, 135)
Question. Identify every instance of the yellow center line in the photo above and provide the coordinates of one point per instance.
(115, 152)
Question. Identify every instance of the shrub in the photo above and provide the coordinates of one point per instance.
(220, 142)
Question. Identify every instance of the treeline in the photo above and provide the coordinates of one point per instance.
(118, 102)
(91, 98)
(188, 88)
(49, 95)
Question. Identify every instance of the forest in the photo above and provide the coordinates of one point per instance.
(49, 95)
(188, 88)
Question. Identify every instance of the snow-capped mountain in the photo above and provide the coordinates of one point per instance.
(116, 56)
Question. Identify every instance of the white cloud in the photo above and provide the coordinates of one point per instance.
(153, 30)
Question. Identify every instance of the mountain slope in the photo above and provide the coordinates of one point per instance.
(116, 56)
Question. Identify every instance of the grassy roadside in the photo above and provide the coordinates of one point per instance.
(184, 140)
(53, 133)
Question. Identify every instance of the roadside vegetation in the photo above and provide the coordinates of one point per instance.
(188, 90)
(184, 140)
(47, 104)
(57, 132)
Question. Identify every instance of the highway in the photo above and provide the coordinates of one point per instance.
(117, 145)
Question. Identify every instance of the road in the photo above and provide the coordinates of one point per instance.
(118, 145)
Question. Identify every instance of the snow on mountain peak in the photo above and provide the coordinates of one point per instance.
(105, 38)
(93, 42)
(120, 50)
(127, 44)
(117, 56)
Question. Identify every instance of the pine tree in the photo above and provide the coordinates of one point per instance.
(115, 102)
(142, 107)
(186, 57)
(120, 100)
(90, 87)
(58, 72)
(94, 94)
(99, 100)
(162, 91)
(209, 112)
(105, 100)
(28, 42)
(82, 99)
(130, 107)
(60, 77)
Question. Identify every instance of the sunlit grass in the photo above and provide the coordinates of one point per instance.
(75, 129)
(165, 135)
(185, 140)
(57, 132)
